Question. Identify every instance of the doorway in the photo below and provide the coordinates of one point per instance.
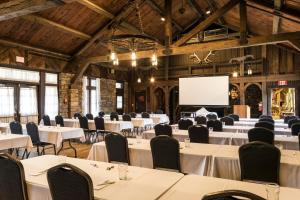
(283, 102)
(174, 103)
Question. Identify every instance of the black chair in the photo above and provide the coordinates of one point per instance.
(68, 182)
(165, 153)
(211, 116)
(89, 116)
(296, 129)
(117, 148)
(126, 117)
(235, 117)
(59, 120)
(159, 111)
(265, 116)
(12, 179)
(228, 121)
(145, 115)
(163, 129)
(100, 127)
(288, 118)
(267, 125)
(200, 120)
(132, 115)
(33, 132)
(101, 114)
(16, 128)
(293, 121)
(198, 134)
(46, 120)
(261, 134)
(259, 161)
(266, 120)
(184, 124)
(77, 115)
(299, 140)
(114, 116)
(215, 124)
(84, 124)
(232, 195)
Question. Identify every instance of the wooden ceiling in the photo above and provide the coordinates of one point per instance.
(79, 27)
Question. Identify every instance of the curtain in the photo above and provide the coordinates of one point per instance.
(19, 75)
(84, 96)
(28, 101)
(6, 101)
(51, 101)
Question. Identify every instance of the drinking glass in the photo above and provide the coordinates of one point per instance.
(187, 142)
(211, 129)
(273, 191)
(122, 168)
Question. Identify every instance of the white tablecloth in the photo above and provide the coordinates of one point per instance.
(146, 184)
(277, 121)
(220, 161)
(244, 129)
(157, 118)
(8, 141)
(194, 187)
(227, 138)
(142, 122)
(252, 124)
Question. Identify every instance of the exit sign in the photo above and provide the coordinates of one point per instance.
(282, 83)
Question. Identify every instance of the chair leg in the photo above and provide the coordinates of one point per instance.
(71, 146)
(54, 148)
(38, 150)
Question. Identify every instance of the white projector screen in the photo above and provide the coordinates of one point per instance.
(204, 91)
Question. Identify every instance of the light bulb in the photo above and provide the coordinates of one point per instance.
(154, 63)
(235, 74)
(163, 19)
(116, 61)
(139, 80)
(249, 71)
(208, 12)
(152, 79)
(154, 57)
(133, 55)
(113, 55)
(133, 63)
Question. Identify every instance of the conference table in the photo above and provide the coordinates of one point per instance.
(277, 121)
(9, 141)
(221, 161)
(193, 187)
(252, 124)
(156, 118)
(231, 138)
(142, 183)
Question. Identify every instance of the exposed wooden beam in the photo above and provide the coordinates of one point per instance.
(17, 8)
(96, 8)
(46, 22)
(156, 7)
(82, 67)
(213, 7)
(295, 44)
(276, 18)
(243, 22)
(208, 21)
(36, 50)
(196, 8)
(217, 45)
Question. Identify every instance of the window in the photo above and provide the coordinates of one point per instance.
(91, 95)
(119, 85)
(119, 102)
(51, 95)
(6, 101)
(28, 101)
(120, 97)
(19, 75)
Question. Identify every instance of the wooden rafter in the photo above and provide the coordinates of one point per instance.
(217, 45)
(213, 7)
(243, 22)
(208, 21)
(17, 8)
(295, 44)
(196, 8)
(276, 18)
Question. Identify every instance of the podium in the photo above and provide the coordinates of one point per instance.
(242, 110)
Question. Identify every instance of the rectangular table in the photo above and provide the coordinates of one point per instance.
(245, 129)
(252, 124)
(227, 138)
(194, 187)
(279, 121)
(220, 161)
(146, 184)
(9, 141)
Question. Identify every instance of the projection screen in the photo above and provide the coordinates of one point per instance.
(204, 91)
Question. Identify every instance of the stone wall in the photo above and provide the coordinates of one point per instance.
(108, 95)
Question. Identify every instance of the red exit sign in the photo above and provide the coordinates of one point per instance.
(282, 83)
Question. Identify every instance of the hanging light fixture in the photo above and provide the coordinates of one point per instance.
(133, 55)
(133, 63)
(249, 71)
(139, 80)
(116, 62)
(235, 74)
(152, 79)
(113, 55)
(154, 59)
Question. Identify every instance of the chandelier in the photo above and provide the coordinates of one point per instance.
(133, 43)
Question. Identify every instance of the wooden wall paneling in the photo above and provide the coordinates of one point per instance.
(290, 62)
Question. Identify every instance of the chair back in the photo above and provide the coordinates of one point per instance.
(288, 118)
(77, 115)
(132, 115)
(267, 120)
(163, 129)
(267, 125)
(232, 195)
(265, 116)
(198, 134)
(114, 116)
(145, 115)
(159, 111)
(99, 123)
(228, 121)
(165, 153)
(126, 117)
(84, 122)
(293, 121)
(60, 120)
(211, 116)
(16, 128)
(184, 124)
(33, 132)
(234, 117)
(117, 148)
(259, 161)
(101, 114)
(89, 116)
(261, 134)
(12, 179)
(200, 120)
(215, 124)
(46, 120)
(69, 182)
(295, 129)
